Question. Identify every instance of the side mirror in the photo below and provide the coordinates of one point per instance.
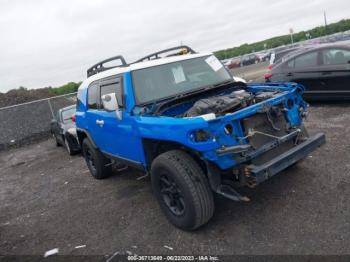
(110, 103)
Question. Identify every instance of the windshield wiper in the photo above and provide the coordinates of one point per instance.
(206, 88)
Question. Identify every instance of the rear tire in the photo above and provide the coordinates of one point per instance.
(69, 144)
(100, 167)
(68, 147)
(182, 190)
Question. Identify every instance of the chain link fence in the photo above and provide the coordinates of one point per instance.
(29, 122)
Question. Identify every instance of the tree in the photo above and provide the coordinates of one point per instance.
(341, 26)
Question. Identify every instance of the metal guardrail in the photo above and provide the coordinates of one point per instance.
(30, 121)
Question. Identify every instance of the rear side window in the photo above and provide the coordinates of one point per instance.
(68, 114)
(335, 56)
(113, 85)
(93, 96)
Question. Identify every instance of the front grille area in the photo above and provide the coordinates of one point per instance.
(272, 123)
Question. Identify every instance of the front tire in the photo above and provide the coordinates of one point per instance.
(182, 190)
(99, 166)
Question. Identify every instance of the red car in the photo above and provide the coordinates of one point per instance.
(233, 63)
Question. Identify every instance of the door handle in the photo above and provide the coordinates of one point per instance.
(290, 74)
(326, 73)
(100, 122)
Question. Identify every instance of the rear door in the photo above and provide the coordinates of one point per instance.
(304, 69)
(335, 72)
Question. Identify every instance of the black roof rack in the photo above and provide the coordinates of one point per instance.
(95, 69)
(156, 55)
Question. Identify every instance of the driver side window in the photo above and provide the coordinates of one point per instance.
(307, 60)
(303, 61)
(112, 85)
(92, 96)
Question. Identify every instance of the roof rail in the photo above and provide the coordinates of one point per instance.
(184, 49)
(95, 69)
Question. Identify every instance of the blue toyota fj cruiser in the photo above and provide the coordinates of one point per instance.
(180, 117)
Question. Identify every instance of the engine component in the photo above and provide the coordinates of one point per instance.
(220, 104)
(264, 95)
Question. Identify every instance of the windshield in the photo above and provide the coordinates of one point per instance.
(167, 80)
(67, 115)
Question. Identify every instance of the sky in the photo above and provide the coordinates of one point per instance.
(49, 43)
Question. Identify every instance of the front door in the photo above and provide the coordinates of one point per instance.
(335, 72)
(119, 135)
(93, 115)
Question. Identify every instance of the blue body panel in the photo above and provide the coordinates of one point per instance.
(128, 92)
(123, 138)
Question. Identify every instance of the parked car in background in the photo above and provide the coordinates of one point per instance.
(233, 63)
(263, 56)
(64, 130)
(249, 59)
(324, 71)
(226, 62)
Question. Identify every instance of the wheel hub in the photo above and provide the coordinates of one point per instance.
(172, 195)
(90, 160)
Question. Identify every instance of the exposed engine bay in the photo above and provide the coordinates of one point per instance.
(220, 104)
(227, 102)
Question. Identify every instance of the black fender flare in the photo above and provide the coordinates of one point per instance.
(81, 134)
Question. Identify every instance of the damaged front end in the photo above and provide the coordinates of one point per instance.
(252, 133)
(260, 141)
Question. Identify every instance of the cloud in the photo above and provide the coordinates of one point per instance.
(48, 43)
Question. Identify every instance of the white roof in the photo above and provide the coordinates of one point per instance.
(140, 65)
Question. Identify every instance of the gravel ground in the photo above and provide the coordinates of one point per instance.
(49, 200)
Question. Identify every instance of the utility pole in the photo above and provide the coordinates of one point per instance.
(325, 20)
(291, 32)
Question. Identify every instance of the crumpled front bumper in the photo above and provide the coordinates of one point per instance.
(282, 161)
